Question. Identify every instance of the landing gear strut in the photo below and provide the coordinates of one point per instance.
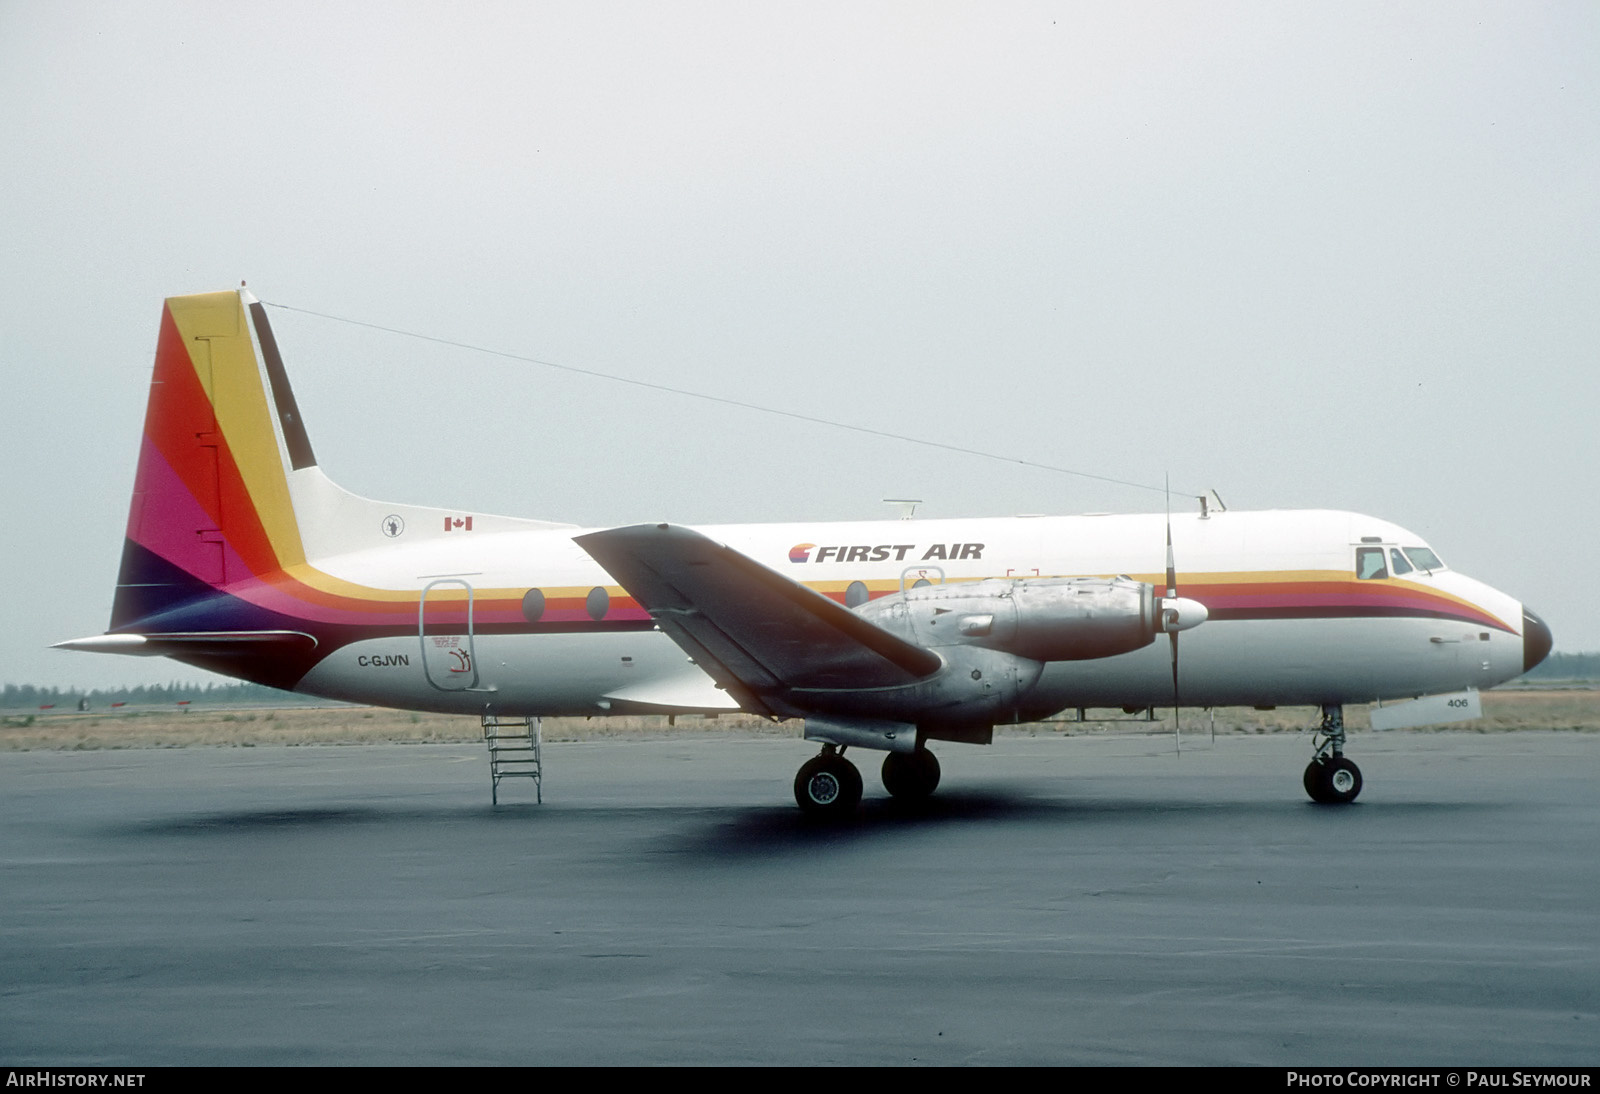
(911, 776)
(828, 785)
(1331, 779)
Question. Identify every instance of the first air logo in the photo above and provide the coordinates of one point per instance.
(883, 552)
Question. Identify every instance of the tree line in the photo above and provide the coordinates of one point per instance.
(1558, 666)
(1567, 666)
(29, 697)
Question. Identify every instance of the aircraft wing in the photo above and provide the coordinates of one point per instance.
(756, 632)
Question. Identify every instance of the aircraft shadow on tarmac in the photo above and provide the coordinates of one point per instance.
(732, 831)
(776, 830)
(263, 820)
(764, 825)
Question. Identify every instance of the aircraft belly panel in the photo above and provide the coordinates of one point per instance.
(544, 674)
(1291, 662)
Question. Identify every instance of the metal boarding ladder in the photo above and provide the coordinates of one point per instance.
(513, 752)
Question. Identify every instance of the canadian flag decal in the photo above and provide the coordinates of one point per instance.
(458, 524)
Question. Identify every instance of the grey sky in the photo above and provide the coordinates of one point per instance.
(1311, 255)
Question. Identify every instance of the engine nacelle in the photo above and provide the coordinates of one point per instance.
(1042, 619)
(975, 686)
(994, 637)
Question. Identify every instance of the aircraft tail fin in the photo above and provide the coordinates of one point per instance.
(228, 496)
(211, 501)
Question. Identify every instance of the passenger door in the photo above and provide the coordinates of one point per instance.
(444, 625)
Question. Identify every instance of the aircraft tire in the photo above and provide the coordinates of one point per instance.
(853, 773)
(1312, 780)
(1334, 781)
(828, 786)
(911, 776)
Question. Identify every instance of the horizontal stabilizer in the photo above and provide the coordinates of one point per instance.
(756, 632)
(194, 643)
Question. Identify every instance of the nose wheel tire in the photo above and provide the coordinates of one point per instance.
(828, 786)
(1333, 780)
(911, 776)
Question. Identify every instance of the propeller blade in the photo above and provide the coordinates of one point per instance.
(1172, 569)
(1174, 637)
(1171, 616)
(1177, 711)
(1177, 614)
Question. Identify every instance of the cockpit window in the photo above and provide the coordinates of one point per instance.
(1369, 563)
(1398, 561)
(1424, 559)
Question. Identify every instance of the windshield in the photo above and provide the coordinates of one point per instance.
(1424, 559)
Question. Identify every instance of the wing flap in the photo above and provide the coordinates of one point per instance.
(677, 693)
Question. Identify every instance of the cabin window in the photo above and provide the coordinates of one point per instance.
(1398, 561)
(597, 603)
(1369, 563)
(855, 595)
(533, 605)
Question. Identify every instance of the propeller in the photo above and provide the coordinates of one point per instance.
(1177, 614)
(1169, 616)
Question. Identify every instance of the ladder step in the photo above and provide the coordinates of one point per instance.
(513, 745)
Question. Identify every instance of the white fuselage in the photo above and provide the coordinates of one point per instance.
(1290, 621)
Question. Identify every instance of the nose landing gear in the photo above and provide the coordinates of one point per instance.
(1330, 779)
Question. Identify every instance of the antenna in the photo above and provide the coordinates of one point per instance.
(908, 506)
(1205, 507)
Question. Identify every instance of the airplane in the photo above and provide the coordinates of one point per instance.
(242, 557)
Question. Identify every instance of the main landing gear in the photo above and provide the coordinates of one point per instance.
(911, 776)
(829, 785)
(1331, 779)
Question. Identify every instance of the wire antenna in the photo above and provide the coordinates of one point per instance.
(723, 400)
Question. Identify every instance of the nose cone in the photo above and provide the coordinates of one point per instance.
(1536, 640)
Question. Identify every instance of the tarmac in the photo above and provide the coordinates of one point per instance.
(1078, 900)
